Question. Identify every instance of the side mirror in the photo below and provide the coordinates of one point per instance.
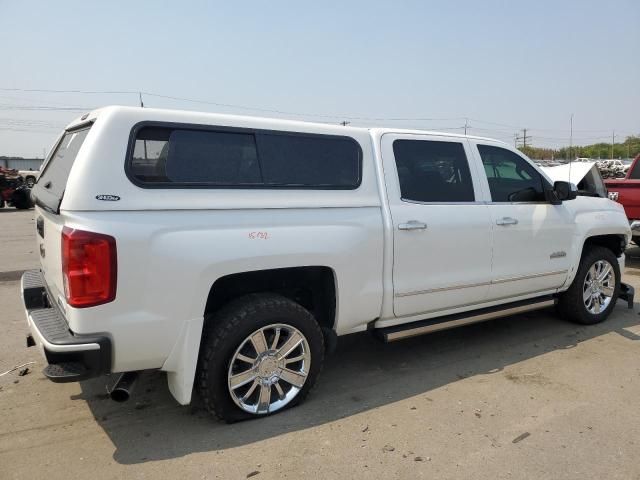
(565, 190)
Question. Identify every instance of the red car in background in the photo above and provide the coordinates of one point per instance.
(627, 192)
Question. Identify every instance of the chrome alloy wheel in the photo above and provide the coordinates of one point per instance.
(269, 369)
(599, 286)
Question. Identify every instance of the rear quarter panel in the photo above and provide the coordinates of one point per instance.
(168, 261)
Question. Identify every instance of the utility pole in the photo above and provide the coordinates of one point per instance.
(525, 138)
(613, 140)
(466, 125)
(344, 123)
(140, 97)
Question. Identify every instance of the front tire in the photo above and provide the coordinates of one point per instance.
(260, 354)
(594, 291)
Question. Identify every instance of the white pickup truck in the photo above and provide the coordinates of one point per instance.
(30, 177)
(239, 278)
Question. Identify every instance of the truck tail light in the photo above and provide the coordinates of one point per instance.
(89, 267)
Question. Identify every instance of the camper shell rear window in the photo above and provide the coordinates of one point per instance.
(194, 156)
(49, 189)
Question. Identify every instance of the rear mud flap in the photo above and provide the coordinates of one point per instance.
(626, 293)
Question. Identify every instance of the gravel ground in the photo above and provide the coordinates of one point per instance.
(523, 397)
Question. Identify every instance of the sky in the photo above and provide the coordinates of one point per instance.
(496, 66)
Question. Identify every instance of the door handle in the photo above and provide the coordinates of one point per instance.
(412, 225)
(504, 221)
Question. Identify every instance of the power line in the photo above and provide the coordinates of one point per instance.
(45, 90)
(229, 105)
(29, 130)
(301, 114)
(45, 108)
(18, 123)
(345, 117)
(496, 124)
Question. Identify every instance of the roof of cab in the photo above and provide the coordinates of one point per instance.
(206, 118)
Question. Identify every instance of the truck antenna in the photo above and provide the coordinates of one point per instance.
(570, 144)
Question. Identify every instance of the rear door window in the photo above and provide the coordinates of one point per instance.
(51, 185)
(432, 171)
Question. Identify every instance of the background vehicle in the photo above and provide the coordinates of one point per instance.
(612, 168)
(627, 192)
(231, 252)
(30, 176)
(13, 192)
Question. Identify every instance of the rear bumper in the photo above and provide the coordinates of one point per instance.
(70, 357)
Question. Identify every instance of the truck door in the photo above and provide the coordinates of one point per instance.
(441, 231)
(532, 238)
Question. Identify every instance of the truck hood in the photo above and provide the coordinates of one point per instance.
(585, 175)
(573, 172)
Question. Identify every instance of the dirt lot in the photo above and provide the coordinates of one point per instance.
(521, 397)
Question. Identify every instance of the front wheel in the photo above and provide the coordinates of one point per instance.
(594, 291)
(260, 354)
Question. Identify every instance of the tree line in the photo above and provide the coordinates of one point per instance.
(630, 148)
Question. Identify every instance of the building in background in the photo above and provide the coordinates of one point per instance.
(20, 163)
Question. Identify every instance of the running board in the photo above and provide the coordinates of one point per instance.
(400, 332)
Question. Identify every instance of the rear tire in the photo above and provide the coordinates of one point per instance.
(593, 293)
(244, 368)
